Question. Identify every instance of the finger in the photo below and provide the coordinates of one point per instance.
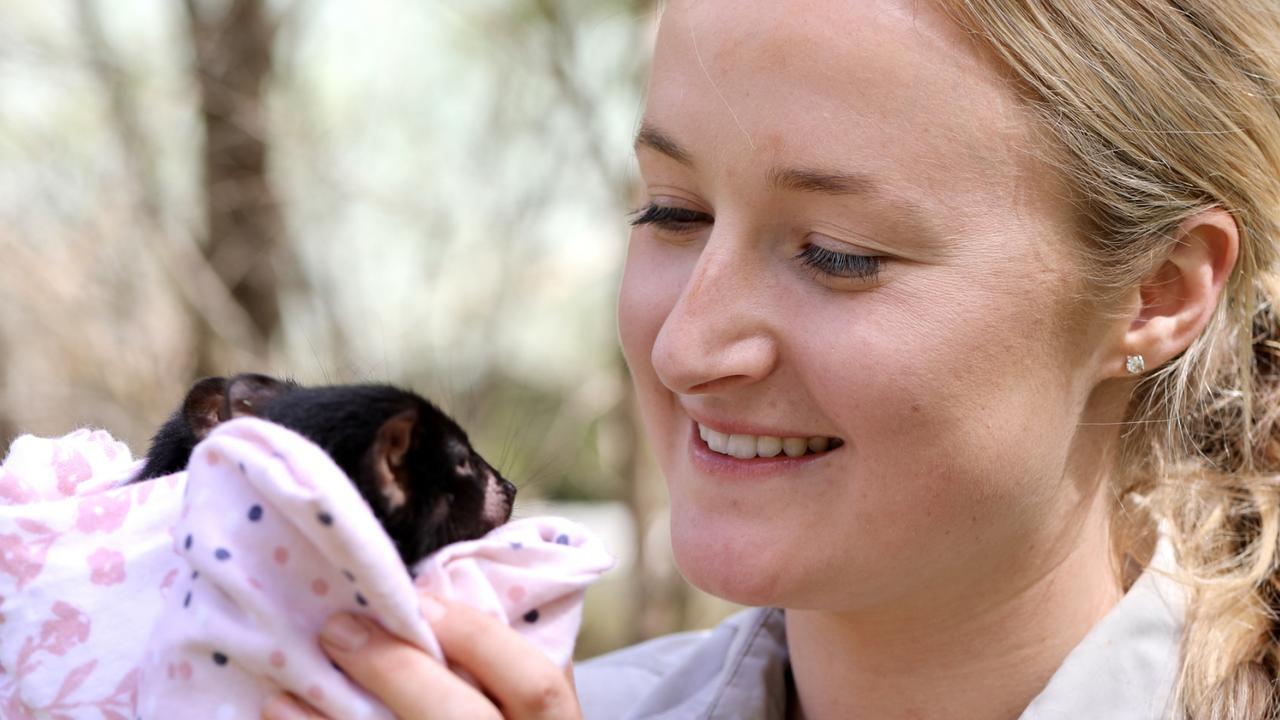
(515, 673)
(410, 682)
(287, 707)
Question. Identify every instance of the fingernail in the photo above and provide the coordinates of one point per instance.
(280, 707)
(432, 610)
(344, 632)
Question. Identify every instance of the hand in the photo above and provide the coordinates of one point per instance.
(519, 681)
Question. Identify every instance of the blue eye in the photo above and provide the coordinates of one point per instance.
(671, 219)
(841, 265)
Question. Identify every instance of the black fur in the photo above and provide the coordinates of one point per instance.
(410, 461)
(171, 447)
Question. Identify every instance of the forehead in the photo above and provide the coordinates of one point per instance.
(891, 89)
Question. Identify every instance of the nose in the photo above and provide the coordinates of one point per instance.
(717, 335)
(499, 499)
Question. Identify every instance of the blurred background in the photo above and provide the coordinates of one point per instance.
(431, 193)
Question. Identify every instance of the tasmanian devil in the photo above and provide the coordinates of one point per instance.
(411, 462)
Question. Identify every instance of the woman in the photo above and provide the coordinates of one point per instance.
(1004, 273)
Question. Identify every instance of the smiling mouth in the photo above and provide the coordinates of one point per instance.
(746, 447)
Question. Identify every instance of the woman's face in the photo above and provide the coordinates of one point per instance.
(851, 240)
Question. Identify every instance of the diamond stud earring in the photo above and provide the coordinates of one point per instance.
(1135, 364)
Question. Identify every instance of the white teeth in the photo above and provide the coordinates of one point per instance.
(717, 441)
(767, 446)
(742, 447)
(745, 447)
(795, 447)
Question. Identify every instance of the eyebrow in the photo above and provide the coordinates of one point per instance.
(654, 139)
(809, 180)
(822, 182)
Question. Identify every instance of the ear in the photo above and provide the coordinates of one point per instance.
(248, 394)
(1177, 300)
(389, 449)
(203, 405)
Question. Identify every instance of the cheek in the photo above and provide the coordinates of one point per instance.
(946, 441)
(652, 281)
(639, 316)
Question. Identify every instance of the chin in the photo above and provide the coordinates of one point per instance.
(732, 563)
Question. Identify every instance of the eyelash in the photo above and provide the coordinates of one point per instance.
(841, 265)
(671, 219)
(827, 262)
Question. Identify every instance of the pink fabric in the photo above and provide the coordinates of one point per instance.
(279, 539)
(84, 567)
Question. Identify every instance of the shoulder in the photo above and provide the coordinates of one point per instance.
(735, 670)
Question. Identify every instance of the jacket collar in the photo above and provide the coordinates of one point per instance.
(1124, 668)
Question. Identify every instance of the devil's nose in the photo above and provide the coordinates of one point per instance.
(508, 489)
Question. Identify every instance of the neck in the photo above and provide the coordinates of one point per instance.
(984, 652)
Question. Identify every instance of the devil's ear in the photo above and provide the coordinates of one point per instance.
(203, 406)
(395, 437)
(248, 394)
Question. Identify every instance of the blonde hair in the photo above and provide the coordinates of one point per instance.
(1162, 109)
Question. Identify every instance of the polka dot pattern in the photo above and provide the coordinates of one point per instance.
(298, 550)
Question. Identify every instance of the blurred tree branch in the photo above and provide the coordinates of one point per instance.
(246, 243)
(561, 54)
(188, 271)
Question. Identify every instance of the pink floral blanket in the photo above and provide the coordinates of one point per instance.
(197, 594)
(83, 564)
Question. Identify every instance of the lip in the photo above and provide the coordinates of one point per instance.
(713, 463)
